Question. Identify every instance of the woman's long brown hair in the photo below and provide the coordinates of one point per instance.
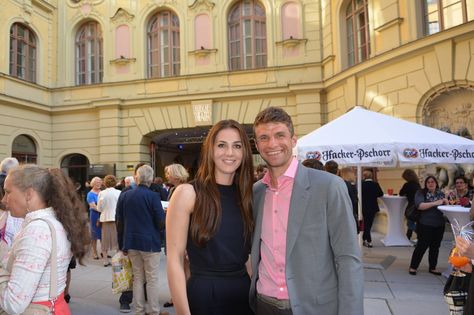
(207, 211)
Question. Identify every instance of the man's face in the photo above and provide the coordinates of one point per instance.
(275, 144)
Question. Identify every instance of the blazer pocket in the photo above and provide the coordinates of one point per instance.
(326, 296)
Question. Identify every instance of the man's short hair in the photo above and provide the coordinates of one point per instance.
(130, 180)
(7, 164)
(275, 115)
(331, 167)
(313, 163)
(145, 175)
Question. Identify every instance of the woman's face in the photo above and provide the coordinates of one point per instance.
(14, 199)
(98, 184)
(431, 184)
(460, 185)
(170, 178)
(228, 154)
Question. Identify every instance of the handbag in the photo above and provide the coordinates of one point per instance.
(456, 291)
(122, 275)
(37, 309)
(412, 213)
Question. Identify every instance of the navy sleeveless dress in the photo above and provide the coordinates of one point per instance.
(219, 283)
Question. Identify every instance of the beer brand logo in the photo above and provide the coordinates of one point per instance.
(313, 155)
(410, 153)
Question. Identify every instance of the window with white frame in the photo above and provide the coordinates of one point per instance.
(247, 36)
(443, 14)
(357, 23)
(89, 58)
(22, 52)
(163, 48)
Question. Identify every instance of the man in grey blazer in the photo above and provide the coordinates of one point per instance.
(305, 255)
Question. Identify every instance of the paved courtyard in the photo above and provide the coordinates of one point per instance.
(389, 289)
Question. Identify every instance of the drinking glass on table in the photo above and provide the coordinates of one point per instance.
(458, 260)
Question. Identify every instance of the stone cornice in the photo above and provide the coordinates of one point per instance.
(205, 4)
(122, 16)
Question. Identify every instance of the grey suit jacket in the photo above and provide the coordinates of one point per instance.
(324, 273)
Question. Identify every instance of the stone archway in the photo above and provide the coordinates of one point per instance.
(452, 110)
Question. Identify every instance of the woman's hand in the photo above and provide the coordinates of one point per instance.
(465, 247)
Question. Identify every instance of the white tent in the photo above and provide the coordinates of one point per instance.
(366, 138)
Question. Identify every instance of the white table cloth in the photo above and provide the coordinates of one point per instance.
(396, 224)
(461, 214)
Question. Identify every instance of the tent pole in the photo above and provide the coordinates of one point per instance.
(359, 198)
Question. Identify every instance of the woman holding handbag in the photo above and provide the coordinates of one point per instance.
(55, 229)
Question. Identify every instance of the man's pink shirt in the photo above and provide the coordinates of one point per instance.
(272, 280)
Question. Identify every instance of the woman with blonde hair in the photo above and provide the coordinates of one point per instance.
(211, 220)
(47, 200)
(94, 214)
(176, 175)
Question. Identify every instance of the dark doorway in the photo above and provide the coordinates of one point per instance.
(24, 150)
(76, 166)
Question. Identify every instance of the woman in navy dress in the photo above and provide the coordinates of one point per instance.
(210, 220)
(92, 200)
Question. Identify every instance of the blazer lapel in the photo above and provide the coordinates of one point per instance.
(259, 198)
(298, 207)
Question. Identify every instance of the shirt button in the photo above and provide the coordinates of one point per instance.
(281, 289)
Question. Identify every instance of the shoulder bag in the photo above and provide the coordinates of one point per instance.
(412, 213)
(37, 309)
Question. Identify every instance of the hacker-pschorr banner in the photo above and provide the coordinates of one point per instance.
(412, 154)
(351, 155)
(382, 155)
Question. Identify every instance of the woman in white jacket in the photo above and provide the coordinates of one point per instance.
(106, 206)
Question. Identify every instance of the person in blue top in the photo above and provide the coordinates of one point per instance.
(92, 200)
(139, 218)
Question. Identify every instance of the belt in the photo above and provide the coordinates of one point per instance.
(212, 273)
(280, 304)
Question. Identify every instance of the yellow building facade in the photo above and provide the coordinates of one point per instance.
(312, 57)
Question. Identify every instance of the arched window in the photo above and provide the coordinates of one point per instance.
(22, 52)
(24, 149)
(247, 36)
(357, 22)
(89, 59)
(163, 45)
(443, 14)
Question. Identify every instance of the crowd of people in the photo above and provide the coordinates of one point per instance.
(279, 238)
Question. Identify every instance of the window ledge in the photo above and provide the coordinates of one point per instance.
(203, 52)
(292, 42)
(391, 23)
(122, 61)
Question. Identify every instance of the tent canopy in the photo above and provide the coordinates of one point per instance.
(363, 137)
